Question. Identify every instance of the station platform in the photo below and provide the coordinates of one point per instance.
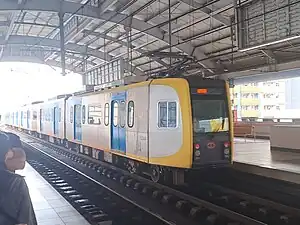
(255, 157)
(49, 206)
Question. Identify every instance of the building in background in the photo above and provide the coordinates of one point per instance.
(272, 98)
(263, 99)
(247, 100)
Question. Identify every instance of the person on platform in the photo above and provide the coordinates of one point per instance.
(15, 203)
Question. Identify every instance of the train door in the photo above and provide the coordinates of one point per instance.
(41, 120)
(77, 123)
(118, 114)
(28, 119)
(55, 120)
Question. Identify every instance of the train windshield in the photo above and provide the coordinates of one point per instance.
(210, 115)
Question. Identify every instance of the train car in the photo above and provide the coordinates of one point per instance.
(23, 124)
(33, 118)
(162, 126)
(51, 120)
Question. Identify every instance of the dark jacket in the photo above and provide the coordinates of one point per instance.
(15, 203)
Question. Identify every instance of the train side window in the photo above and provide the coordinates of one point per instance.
(59, 114)
(122, 117)
(83, 114)
(41, 115)
(94, 114)
(162, 114)
(106, 114)
(172, 114)
(167, 114)
(34, 115)
(115, 113)
(130, 114)
(71, 114)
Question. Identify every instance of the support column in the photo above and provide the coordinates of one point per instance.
(84, 67)
(128, 30)
(170, 32)
(62, 43)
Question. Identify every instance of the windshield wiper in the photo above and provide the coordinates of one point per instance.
(223, 122)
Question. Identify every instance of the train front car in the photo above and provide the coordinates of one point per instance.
(212, 122)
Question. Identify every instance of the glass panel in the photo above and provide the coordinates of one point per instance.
(162, 114)
(209, 116)
(116, 113)
(71, 115)
(172, 114)
(59, 115)
(83, 114)
(106, 114)
(122, 114)
(94, 114)
(130, 116)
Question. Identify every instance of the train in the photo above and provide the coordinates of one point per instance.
(161, 127)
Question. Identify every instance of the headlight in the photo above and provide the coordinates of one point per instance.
(197, 153)
(226, 151)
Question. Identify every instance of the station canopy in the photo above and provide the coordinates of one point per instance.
(207, 37)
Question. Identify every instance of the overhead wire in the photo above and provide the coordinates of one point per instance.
(197, 36)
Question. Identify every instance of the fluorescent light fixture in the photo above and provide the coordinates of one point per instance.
(270, 43)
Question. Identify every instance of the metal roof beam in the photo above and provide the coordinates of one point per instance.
(223, 20)
(47, 42)
(75, 31)
(11, 25)
(106, 5)
(90, 11)
(269, 54)
(37, 60)
(35, 24)
(123, 43)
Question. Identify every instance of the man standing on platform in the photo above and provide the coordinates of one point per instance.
(15, 203)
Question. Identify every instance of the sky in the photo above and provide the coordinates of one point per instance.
(22, 83)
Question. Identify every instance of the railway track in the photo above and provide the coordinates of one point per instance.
(281, 191)
(216, 205)
(97, 204)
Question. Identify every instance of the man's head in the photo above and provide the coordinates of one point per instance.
(12, 155)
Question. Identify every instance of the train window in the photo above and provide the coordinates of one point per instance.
(71, 114)
(172, 114)
(41, 115)
(94, 114)
(83, 114)
(122, 113)
(106, 114)
(34, 115)
(162, 114)
(59, 114)
(130, 115)
(167, 114)
(115, 113)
